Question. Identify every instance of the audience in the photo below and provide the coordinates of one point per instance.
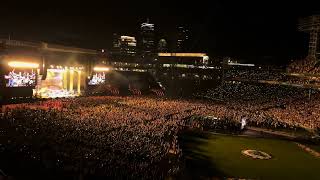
(307, 65)
(112, 136)
(132, 137)
(275, 105)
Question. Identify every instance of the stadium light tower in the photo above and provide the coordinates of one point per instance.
(311, 25)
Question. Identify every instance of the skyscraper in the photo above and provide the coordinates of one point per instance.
(147, 39)
(124, 45)
(183, 39)
(115, 44)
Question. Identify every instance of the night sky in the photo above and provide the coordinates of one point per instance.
(259, 30)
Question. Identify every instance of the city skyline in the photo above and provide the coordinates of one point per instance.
(150, 41)
(245, 30)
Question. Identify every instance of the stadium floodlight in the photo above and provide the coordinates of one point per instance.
(20, 64)
(101, 69)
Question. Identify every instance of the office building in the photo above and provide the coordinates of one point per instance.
(124, 45)
(147, 44)
(183, 39)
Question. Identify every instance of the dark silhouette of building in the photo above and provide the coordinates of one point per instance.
(147, 44)
(183, 39)
(115, 44)
(162, 46)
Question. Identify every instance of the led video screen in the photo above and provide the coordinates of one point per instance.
(98, 78)
(21, 78)
(52, 86)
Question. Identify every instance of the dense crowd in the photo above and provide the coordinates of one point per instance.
(232, 91)
(133, 137)
(272, 76)
(255, 74)
(214, 123)
(113, 136)
(307, 65)
(269, 105)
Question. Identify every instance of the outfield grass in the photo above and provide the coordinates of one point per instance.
(224, 153)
